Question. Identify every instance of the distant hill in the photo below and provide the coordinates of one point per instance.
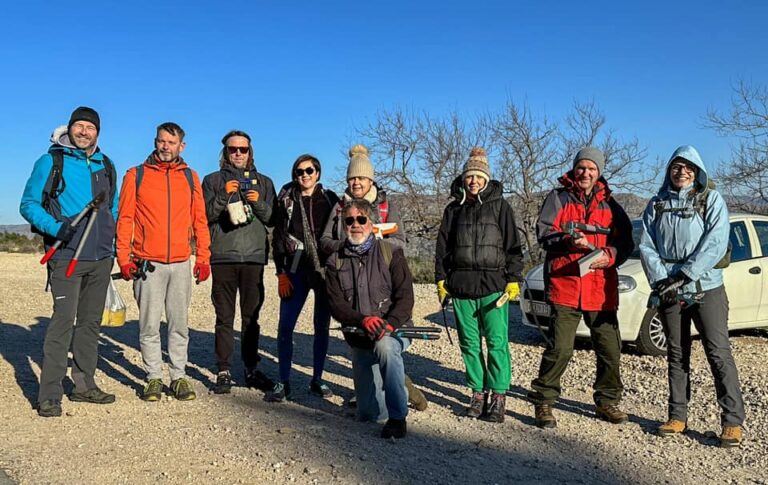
(23, 229)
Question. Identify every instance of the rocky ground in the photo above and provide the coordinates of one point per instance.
(240, 438)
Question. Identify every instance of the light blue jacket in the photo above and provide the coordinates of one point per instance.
(682, 241)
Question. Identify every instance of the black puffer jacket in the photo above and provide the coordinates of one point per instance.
(244, 243)
(478, 251)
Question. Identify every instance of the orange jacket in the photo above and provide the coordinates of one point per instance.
(160, 224)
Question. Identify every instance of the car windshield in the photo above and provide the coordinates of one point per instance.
(637, 231)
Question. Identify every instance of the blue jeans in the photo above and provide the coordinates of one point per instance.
(290, 308)
(379, 377)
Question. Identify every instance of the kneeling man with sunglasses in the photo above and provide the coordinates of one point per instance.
(370, 288)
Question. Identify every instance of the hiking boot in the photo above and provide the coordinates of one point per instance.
(496, 408)
(670, 428)
(223, 383)
(280, 393)
(182, 390)
(611, 413)
(731, 437)
(153, 391)
(544, 417)
(93, 396)
(394, 428)
(416, 398)
(50, 408)
(320, 389)
(478, 405)
(258, 380)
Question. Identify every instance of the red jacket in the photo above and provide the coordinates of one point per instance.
(598, 289)
(161, 222)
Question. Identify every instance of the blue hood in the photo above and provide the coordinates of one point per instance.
(689, 154)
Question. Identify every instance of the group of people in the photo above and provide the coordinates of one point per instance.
(349, 251)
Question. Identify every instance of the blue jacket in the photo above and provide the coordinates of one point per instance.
(696, 245)
(83, 179)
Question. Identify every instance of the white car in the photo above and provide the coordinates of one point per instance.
(745, 280)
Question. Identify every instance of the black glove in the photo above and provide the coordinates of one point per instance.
(667, 288)
(66, 232)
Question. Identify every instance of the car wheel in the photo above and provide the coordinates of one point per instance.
(652, 340)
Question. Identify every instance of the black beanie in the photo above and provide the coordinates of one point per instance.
(84, 113)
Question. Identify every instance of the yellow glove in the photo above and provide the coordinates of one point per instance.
(442, 293)
(513, 291)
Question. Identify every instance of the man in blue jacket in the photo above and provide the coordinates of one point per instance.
(84, 172)
(684, 241)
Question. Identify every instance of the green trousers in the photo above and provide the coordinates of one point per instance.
(477, 318)
(606, 340)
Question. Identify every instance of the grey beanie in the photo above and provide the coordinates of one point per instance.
(593, 154)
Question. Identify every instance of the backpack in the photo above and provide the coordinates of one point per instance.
(55, 185)
(700, 208)
(187, 173)
(386, 251)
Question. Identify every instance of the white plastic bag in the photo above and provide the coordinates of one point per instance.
(114, 308)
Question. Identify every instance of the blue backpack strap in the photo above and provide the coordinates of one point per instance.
(191, 182)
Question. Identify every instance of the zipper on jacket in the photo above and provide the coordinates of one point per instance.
(168, 194)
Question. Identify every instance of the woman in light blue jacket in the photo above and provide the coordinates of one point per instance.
(683, 248)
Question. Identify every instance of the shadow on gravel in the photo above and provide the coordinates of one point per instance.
(20, 346)
(353, 452)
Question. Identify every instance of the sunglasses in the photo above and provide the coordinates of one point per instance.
(362, 220)
(233, 150)
(301, 171)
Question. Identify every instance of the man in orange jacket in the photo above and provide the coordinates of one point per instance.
(161, 209)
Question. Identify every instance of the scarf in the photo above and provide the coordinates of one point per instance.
(361, 248)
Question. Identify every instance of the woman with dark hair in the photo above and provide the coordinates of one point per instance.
(302, 211)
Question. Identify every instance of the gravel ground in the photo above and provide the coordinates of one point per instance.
(240, 438)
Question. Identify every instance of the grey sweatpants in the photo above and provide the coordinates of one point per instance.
(710, 317)
(169, 288)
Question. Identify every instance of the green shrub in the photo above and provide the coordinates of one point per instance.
(423, 270)
(10, 242)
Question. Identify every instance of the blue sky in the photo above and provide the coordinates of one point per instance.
(299, 76)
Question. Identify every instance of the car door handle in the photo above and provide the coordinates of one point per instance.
(755, 270)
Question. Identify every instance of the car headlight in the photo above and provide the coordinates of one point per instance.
(626, 283)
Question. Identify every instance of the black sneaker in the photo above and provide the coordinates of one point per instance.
(153, 391)
(50, 408)
(93, 396)
(258, 380)
(223, 383)
(320, 389)
(182, 390)
(280, 393)
(395, 428)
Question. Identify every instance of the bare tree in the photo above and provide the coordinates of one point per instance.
(744, 180)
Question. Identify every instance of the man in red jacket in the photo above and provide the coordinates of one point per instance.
(582, 220)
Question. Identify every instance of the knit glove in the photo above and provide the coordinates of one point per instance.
(376, 327)
(252, 196)
(201, 272)
(512, 290)
(127, 271)
(442, 293)
(231, 186)
(284, 286)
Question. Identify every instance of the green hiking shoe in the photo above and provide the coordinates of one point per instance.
(153, 391)
(182, 390)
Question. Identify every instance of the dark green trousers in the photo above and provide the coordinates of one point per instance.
(606, 340)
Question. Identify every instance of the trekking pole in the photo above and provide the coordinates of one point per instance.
(445, 322)
(96, 201)
(417, 333)
(86, 232)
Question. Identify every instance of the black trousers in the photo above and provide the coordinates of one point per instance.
(228, 279)
(81, 296)
(710, 316)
